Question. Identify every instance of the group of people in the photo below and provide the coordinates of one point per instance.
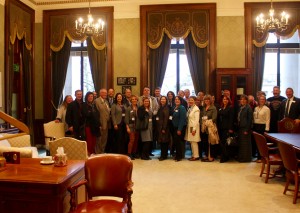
(132, 125)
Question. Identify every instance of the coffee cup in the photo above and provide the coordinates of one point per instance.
(60, 160)
(47, 159)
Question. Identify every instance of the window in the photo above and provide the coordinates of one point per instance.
(282, 64)
(177, 74)
(79, 74)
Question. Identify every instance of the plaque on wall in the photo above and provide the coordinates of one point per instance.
(131, 80)
(124, 88)
(121, 80)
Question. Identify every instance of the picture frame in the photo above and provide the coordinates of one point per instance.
(124, 88)
(121, 80)
(131, 81)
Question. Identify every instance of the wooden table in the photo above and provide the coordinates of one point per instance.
(289, 138)
(32, 187)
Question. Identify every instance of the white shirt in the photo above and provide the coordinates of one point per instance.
(261, 115)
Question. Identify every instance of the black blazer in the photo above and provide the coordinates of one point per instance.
(226, 118)
(246, 118)
(294, 112)
(74, 115)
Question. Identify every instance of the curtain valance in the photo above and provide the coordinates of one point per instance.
(260, 38)
(64, 25)
(178, 25)
(20, 26)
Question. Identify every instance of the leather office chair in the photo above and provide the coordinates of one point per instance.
(288, 125)
(75, 149)
(106, 175)
(291, 163)
(267, 158)
(53, 131)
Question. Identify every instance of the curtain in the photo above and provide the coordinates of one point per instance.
(259, 63)
(97, 60)
(158, 59)
(27, 76)
(60, 61)
(197, 62)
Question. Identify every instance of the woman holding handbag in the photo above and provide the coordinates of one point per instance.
(145, 115)
(225, 126)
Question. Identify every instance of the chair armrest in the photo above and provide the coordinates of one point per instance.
(272, 148)
(73, 192)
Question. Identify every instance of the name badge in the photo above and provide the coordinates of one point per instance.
(170, 117)
(150, 119)
(133, 118)
(176, 110)
(157, 118)
(123, 114)
(131, 111)
(204, 117)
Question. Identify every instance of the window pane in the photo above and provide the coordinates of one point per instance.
(272, 38)
(270, 73)
(73, 75)
(170, 79)
(185, 74)
(88, 85)
(289, 72)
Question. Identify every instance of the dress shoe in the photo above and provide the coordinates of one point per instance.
(162, 158)
(176, 160)
(208, 160)
(146, 158)
(193, 159)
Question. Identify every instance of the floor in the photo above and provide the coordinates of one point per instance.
(176, 187)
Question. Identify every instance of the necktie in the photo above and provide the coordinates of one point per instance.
(286, 112)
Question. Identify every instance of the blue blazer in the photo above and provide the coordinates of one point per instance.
(179, 117)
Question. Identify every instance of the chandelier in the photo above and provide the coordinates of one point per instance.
(89, 28)
(272, 23)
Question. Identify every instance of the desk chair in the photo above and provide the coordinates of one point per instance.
(75, 149)
(288, 125)
(106, 175)
(267, 158)
(291, 163)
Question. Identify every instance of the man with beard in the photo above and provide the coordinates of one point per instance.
(274, 105)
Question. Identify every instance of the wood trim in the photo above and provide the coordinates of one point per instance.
(47, 51)
(26, 8)
(14, 122)
(212, 56)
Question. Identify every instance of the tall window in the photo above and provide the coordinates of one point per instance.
(282, 64)
(79, 74)
(177, 76)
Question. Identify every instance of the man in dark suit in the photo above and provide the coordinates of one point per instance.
(290, 107)
(74, 116)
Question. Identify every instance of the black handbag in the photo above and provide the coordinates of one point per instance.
(142, 124)
(232, 140)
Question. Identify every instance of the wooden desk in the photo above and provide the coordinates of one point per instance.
(32, 187)
(290, 138)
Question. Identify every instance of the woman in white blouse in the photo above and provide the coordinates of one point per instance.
(261, 120)
(61, 112)
(192, 133)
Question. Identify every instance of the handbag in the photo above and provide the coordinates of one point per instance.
(232, 140)
(142, 124)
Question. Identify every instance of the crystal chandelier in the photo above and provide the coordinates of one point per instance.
(89, 28)
(272, 23)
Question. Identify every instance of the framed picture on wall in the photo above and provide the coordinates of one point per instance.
(131, 80)
(121, 80)
(124, 88)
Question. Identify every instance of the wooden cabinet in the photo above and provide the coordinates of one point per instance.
(237, 80)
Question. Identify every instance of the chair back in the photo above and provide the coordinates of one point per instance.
(261, 143)
(289, 158)
(108, 175)
(53, 131)
(288, 125)
(75, 149)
